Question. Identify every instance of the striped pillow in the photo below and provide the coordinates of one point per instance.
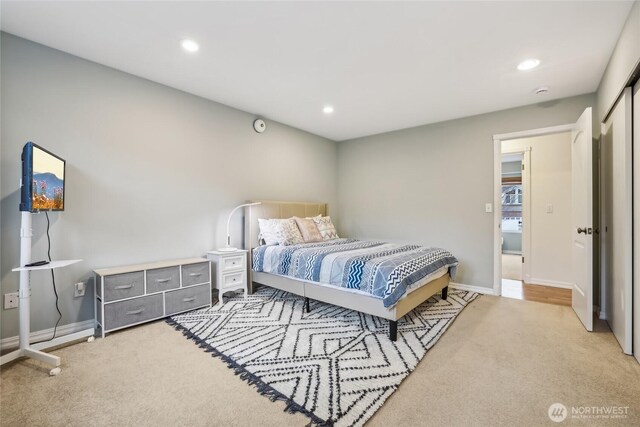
(326, 227)
(308, 229)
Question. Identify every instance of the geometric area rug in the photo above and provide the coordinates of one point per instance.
(336, 366)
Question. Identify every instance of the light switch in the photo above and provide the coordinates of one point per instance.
(549, 208)
(488, 208)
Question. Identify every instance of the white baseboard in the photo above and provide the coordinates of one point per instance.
(13, 342)
(551, 283)
(478, 289)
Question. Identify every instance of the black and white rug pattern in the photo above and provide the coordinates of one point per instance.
(336, 366)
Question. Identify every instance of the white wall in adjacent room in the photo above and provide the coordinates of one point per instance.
(550, 184)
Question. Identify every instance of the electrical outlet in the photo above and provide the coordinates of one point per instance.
(11, 300)
(79, 289)
(488, 208)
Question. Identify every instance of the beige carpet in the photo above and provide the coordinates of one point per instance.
(502, 362)
(511, 267)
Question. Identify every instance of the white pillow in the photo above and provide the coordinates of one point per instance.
(287, 232)
(278, 231)
(267, 231)
(326, 227)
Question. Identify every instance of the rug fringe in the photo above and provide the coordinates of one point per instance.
(263, 388)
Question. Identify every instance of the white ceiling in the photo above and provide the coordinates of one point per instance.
(382, 65)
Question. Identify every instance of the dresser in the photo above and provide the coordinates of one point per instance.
(134, 294)
(230, 271)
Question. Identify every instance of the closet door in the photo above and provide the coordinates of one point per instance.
(636, 220)
(617, 222)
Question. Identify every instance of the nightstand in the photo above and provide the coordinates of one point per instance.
(230, 271)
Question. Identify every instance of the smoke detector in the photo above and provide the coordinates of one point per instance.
(259, 125)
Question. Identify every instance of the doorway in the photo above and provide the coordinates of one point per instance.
(512, 206)
(535, 211)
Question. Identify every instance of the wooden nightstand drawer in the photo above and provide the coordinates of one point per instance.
(124, 313)
(162, 279)
(187, 299)
(232, 263)
(126, 285)
(195, 273)
(230, 280)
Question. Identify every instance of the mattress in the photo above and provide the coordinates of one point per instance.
(384, 270)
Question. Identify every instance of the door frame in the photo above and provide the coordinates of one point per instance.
(497, 195)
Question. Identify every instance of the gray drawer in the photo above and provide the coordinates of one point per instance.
(187, 299)
(132, 311)
(193, 274)
(125, 285)
(162, 279)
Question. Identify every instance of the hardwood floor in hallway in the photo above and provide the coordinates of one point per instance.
(530, 292)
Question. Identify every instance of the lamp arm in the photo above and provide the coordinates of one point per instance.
(231, 215)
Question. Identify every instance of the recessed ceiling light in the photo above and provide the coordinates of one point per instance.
(528, 64)
(190, 45)
(328, 109)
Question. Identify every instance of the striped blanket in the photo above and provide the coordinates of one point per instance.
(383, 270)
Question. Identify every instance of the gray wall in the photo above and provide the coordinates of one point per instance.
(429, 184)
(512, 168)
(152, 172)
(512, 242)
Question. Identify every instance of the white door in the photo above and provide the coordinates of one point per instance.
(617, 230)
(582, 219)
(636, 221)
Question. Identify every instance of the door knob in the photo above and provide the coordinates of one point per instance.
(582, 230)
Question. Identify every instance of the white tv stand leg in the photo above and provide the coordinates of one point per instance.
(25, 349)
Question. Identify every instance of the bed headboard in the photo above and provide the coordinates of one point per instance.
(272, 209)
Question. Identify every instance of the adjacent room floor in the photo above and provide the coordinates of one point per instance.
(502, 362)
(512, 267)
(514, 287)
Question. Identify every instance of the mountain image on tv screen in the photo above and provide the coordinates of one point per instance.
(47, 191)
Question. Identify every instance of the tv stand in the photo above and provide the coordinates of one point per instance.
(26, 349)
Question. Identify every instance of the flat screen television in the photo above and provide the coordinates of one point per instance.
(42, 180)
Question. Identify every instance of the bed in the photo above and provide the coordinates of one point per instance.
(388, 304)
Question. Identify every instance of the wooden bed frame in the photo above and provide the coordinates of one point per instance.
(329, 294)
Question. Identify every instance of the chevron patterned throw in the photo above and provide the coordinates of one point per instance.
(384, 270)
(336, 366)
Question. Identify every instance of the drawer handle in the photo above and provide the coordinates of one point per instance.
(132, 312)
(129, 286)
(189, 299)
(234, 279)
(195, 274)
(163, 280)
